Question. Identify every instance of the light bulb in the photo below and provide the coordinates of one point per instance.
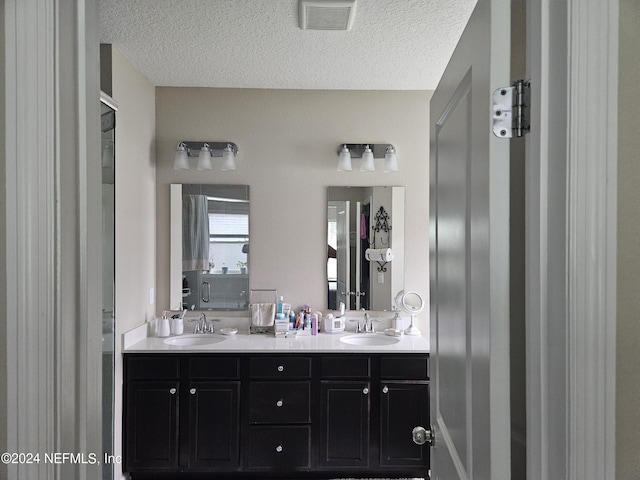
(367, 164)
(390, 160)
(181, 161)
(204, 159)
(228, 159)
(344, 160)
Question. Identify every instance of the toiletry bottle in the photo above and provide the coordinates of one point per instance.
(163, 326)
(279, 305)
(292, 320)
(314, 324)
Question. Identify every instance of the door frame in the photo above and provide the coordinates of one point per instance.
(50, 380)
(571, 238)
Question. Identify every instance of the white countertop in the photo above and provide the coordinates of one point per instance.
(243, 342)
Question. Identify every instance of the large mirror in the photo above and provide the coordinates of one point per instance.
(210, 252)
(361, 218)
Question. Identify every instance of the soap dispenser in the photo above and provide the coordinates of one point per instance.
(164, 328)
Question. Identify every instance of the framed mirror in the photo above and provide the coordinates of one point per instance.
(210, 246)
(361, 218)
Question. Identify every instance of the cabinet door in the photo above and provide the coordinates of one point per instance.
(403, 406)
(344, 437)
(213, 426)
(151, 434)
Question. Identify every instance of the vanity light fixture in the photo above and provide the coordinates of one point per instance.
(205, 151)
(367, 151)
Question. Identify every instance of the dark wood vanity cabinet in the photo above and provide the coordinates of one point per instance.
(404, 404)
(265, 416)
(279, 406)
(182, 413)
(345, 396)
(370, 405)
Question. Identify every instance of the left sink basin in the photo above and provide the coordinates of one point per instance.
(194, 340)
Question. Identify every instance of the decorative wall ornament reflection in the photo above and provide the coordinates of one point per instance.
(380, 250)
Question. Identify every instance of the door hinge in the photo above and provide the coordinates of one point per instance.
(511, 107)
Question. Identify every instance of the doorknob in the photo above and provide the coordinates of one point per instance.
(421, 436)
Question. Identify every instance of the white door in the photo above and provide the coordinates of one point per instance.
(469, 255)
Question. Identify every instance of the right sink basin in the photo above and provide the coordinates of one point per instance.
(369, 339)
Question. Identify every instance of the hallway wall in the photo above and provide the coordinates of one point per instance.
(628, 282)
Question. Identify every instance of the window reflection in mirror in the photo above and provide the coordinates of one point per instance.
(214, 249)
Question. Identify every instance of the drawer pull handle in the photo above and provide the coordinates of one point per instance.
(279, 449)
(385, 389)
(172, 391)
(281, 368)
(192, 391)
(365, 390)
(279, 403)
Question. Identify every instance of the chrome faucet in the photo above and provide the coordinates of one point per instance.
(203, 325)
(366, 325)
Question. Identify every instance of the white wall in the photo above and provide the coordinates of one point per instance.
(288, 142)
(135, 226)
(628, 284)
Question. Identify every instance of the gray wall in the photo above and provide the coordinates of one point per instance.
(135, 210)
(628, 284)
(288, 142)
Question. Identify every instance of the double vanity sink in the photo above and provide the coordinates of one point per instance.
(360, 339)
(332, 405)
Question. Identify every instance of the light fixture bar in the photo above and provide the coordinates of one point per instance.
(217, 148)
(357, 149)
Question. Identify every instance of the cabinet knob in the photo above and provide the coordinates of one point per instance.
(279, 449)
(365, 390)
(172, 391)
(192, 391)
(279, 403)
(281, 368)
(385, 389)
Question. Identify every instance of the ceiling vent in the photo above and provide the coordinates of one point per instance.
(326, 14)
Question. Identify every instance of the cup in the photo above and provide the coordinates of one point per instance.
(177, 326)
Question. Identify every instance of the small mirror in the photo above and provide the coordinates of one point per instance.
(412, 303)
(210, 252)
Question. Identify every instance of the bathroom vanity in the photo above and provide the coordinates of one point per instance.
(255, 406)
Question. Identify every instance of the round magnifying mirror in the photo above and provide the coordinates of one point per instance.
(412, 302)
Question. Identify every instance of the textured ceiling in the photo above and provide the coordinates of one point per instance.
(393, 45)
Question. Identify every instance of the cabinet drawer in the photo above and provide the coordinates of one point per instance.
(285, 447)
(405, 367)
(281, 367)
(152, 367)
(279, 402)
(213, 367)
(346, 366)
